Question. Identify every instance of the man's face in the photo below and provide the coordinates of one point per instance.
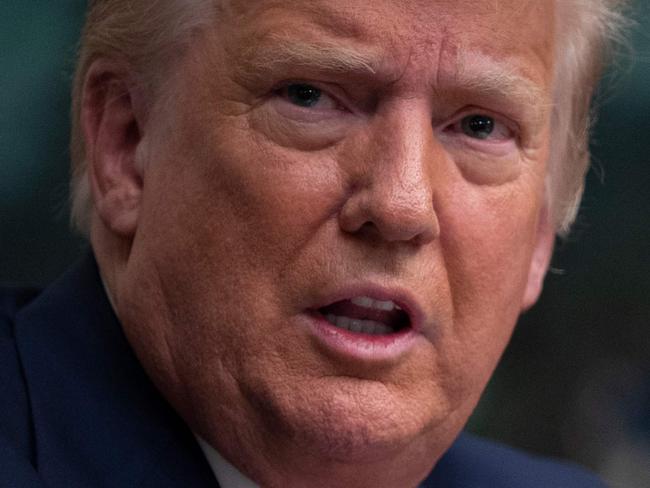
(319, 154)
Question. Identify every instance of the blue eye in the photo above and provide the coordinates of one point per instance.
(303, 95)
(477, 126)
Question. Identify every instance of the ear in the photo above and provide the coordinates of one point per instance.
(544, 242)
(112, 126)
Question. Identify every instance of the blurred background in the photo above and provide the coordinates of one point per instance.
(575, 381)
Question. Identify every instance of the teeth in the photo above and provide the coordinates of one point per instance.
(356, 326)
(385, 305)
(375, 328)
(368, 302)
(363, 301)
(360, 326)
(342, 322)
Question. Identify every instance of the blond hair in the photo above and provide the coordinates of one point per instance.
(147, 34)
(588, 34)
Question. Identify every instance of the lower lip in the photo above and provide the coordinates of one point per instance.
(364, 347)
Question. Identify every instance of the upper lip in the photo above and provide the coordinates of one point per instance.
(401, 297)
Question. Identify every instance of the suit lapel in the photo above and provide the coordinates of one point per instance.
(98, 420)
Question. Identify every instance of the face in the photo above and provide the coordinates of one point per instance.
(342, 218)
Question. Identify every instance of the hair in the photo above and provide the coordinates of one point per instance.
(148, 35)
(589, 32)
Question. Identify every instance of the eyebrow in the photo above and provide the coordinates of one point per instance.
(473, 72)
(278, 52)
(488, 76)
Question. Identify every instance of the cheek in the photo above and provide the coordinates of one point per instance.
(487, 241)
(489, 246)
(236, 196)
(240, 217)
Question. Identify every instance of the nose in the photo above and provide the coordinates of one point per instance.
(393, 196)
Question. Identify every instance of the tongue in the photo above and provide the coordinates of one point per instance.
(395, 319)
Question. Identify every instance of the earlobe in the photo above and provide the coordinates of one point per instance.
(541, 258)
(113, 135)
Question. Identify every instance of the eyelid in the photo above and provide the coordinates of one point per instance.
(512, 127)
(326, 90)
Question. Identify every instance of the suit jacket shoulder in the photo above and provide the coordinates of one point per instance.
(16, 440)
(472, 462)
(77, 410)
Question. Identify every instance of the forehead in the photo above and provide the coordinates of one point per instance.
(416, 31)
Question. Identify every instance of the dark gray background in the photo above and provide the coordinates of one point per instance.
(575, 382)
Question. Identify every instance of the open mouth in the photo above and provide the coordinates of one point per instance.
(365, 315)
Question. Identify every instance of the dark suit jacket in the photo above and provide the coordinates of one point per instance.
(77, 410)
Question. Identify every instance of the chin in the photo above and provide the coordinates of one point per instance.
(348, 420)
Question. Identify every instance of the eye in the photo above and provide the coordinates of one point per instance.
(306, 96)
(303, 95)
(304, 114)
(482, 127)
(478, 126)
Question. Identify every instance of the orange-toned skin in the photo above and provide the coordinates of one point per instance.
(226, 212)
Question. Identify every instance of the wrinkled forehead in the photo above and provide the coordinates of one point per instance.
(356, 18)
(408, 28)
(420, 38)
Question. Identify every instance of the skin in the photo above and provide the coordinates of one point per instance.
(226, 211)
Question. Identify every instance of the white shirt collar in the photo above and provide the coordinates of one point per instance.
(227, 475)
